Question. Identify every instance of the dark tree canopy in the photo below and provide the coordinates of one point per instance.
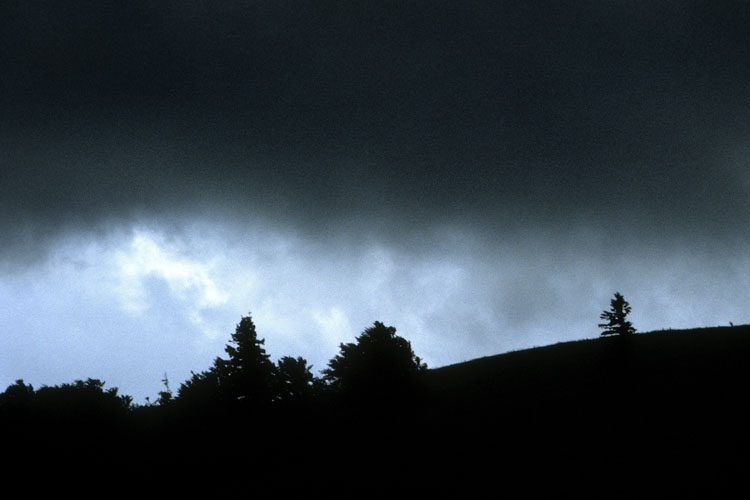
(246, 378)
(379, 365)
(616, 322)
(250, 372)
(84, 405)
(201, 389)
(294, 380)
(16, 401)
(83, 398)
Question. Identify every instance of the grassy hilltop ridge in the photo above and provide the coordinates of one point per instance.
(665, 411)
(684, 377)
(656, 353)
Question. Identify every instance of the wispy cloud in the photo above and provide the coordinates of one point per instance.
(190, 281)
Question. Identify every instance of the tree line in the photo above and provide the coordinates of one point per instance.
(378, 368)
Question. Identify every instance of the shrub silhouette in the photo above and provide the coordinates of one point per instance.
(616, 323)
(380, 366)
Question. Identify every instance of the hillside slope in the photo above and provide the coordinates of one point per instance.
(702, 362)
(666, 411)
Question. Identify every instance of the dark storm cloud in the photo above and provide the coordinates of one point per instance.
(391, 116)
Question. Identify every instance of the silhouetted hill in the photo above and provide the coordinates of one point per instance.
(657, 414)
(699, 361)
(665, 411)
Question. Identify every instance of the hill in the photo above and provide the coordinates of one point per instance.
(657, 414)
(664, 411)
(701, 362)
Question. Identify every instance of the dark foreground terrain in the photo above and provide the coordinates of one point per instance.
(648, 415)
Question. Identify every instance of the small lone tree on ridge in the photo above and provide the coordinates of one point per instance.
(616, 323)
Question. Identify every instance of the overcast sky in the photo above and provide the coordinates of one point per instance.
(481, 175)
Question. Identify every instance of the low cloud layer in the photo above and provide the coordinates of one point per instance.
(102, 309)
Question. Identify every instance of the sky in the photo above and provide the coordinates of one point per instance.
(483, 176)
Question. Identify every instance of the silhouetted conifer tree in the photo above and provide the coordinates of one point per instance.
(250, 371)
(246, 378)
(617, 324)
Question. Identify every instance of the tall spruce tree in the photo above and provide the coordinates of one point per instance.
(245, 379)
(249, 371)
